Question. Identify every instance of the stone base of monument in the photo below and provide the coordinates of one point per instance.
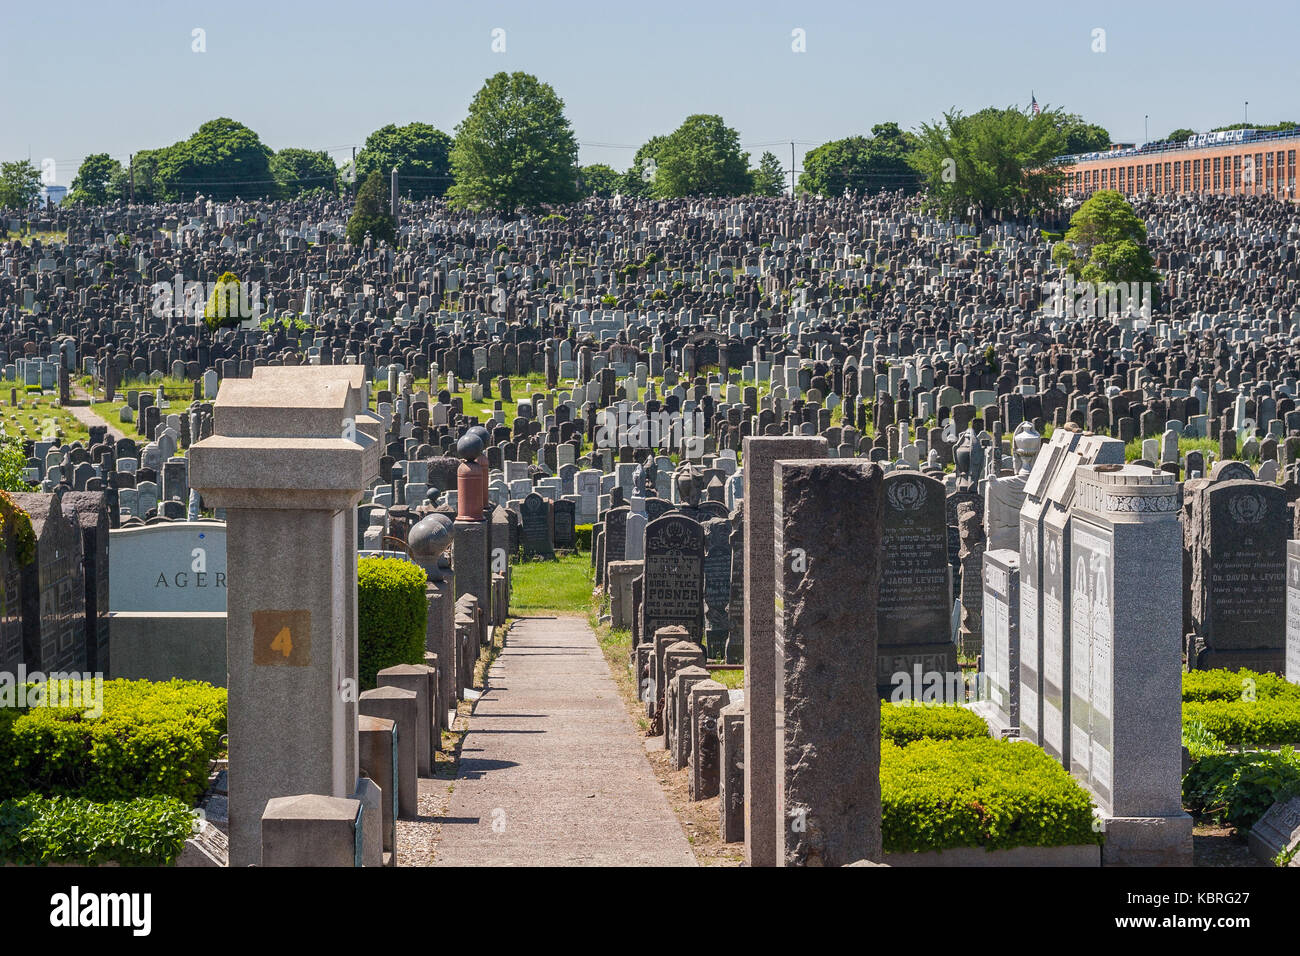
(1081, 855)
(1263, 659)
(903, 666)
(1000, 726)
(160, 646)
(313, 830)
(1147, 841)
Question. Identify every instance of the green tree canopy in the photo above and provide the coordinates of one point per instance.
(222, 160)
(96, 180)
(1180, 135)
(20, 183)
(1081, 137)
(769, 178)
(1000, 160)
(640, 177)
(1106, 242)
(301, 170)
(371, 214)
(702, 157)
(421, 153)
(860, 163)
(515, 150)
(598, 180)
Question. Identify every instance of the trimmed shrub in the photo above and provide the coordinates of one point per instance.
(392, 616)
(146, 831)
(152, 739)
(582, 537)
(904, 723)
(1264, 722)
(996, 794)
(1238, 788)
(1222, 684)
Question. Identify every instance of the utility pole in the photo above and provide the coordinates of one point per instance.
(1245, 112)
(130, 162)
(1146, 129)
(394, 198)
(792, 170)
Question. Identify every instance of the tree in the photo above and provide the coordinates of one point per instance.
(515, 150)
(12, 465)
(598, 180)
(300, 170)
(701, 157)
(1106, 242)
(861, 164)
(222, 160)
(20, 184)
(421, 154)
(371, 213)
(640, 176)
(996, 160)
(148, 185)
(96, 180)
(1180, 135)
(1081, 137)
(768, 179)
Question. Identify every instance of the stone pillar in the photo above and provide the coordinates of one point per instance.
(403, 709)
(1293, 611)
(440, 637)
(731, 772)
(291, 452)
(760, 661)
(828, 519)
(707, 698)
(1000, 659)
(378, 758)
(473, 566)
(309, 830)
(416, 679)
(1125, 714)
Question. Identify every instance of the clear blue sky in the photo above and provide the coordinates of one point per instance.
(83, 77)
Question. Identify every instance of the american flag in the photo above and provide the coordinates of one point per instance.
(1033, 103)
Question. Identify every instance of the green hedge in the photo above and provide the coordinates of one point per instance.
(582, 537)
(905, 722)
(1226, 685)
(152, 739)
(146, 831)
(1238, 788)
(392, 616)
(996, 794)
(1265, 722)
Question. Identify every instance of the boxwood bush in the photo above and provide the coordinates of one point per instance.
(152, 739)
(906, 722)
(1243, 707)
(391, 616)
(1264, 722)
(1222, 684)
(996, 794)
(147, 831)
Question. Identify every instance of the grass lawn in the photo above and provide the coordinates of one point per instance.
(730, 679)
(561, 585)
(38, 417)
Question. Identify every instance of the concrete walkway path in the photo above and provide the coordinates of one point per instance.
(553, 772)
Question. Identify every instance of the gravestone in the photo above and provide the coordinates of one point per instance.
(912, 616)
(673, 590)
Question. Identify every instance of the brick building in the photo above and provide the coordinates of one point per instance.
(1233, 162)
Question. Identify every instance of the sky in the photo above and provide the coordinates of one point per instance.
(84, 77)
